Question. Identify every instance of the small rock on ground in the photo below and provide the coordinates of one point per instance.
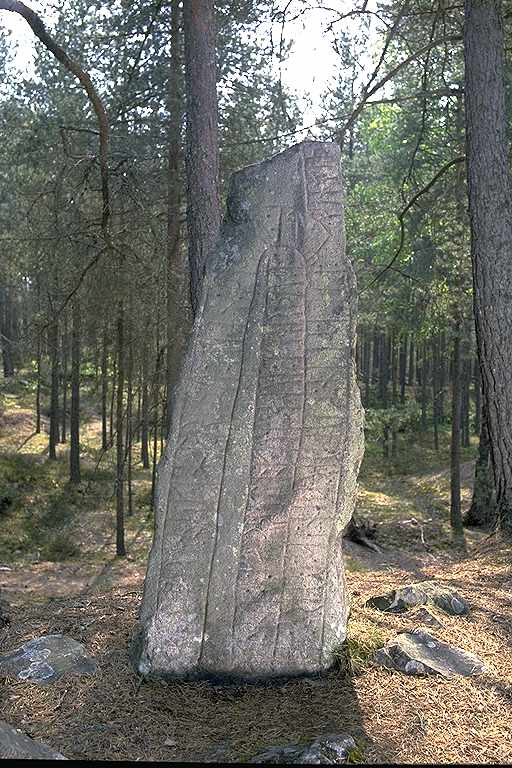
(15, 745)
(46, 659)
(418, 653)
(422, 593)
(332, 749)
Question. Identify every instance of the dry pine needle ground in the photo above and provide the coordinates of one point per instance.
(394, 718)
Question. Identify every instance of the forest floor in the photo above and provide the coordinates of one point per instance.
(59, 573)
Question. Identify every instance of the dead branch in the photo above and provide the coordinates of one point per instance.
(39, 30)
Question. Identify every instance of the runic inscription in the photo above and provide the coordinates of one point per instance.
(258, 480)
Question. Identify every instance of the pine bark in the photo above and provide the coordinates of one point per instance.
(411, 377)
(424, 387)
(490, 208)
(144, 438)
(64, 377)
(155, 427)
(38, 384)
(477, 387)
(74, 432)
(104, 388)
(403, 366)
(369, 375)
(466, 403)
(53, 339)
(393, 354)
(112, 403)
(6, 331)
(120, 544)
(455, 500)
(482, 512)
(178, 308)
(383, 370)
(435, 390)
(129, 419)
(442, 376)
(202, 156)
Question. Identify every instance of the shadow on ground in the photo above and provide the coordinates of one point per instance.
(117, 715)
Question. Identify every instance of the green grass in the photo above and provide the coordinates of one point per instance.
(356, 755)
(354, 566)
(42, 515)
(37, 523)
(359, 648)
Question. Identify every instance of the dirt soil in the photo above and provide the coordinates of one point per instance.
(114, 715)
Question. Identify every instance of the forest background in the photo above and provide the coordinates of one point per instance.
(95, 315)
(74, 319)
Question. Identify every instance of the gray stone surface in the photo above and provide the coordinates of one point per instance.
(46, 659)
(426, 616)
(418, 653)
(245, 578)
(15, 745)
(325, 750)
(421, 593)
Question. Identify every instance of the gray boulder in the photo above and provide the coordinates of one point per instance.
(418, 653)
(15, 745)
(421, 593)
(46, 659)
(325, 750)
(245, 577)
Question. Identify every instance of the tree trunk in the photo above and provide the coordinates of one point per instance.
(155, 429)
(383, 370)
(424, 387)
(442, 375)
(129, 420)
(482, 512)
(455, 508)
(202, 157)
(53, 337)
(74, 452)
(120, 546)
(64, 377)
(477, 423)
(359, 357)
(466, 378)
(104, 388)
(376, 355)
(178, 308)
(403, 366)
(435, 390)
(411, 378)
(393, 354)
(38, 383)
(369, 377)
(6, 332)
(144, 438)
(490, 208)
(139, 404)
(112, 403)
(95, 347)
